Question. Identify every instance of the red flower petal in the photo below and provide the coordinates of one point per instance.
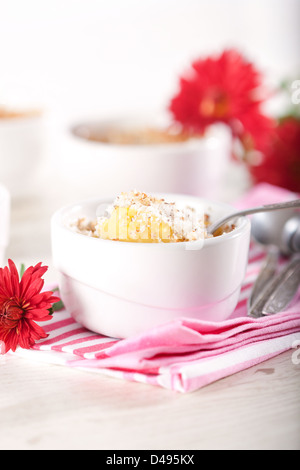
(21, 302)
(224, 89)
(280, 163)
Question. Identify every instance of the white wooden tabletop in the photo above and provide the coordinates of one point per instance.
(45, 406)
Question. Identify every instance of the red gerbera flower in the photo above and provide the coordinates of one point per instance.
(223, 89)
(21, 304)
(280, 164)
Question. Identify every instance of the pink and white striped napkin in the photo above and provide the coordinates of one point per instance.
(183, 355)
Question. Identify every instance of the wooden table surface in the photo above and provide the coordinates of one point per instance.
(45, 406)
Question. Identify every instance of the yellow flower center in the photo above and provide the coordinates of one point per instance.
(214, 105)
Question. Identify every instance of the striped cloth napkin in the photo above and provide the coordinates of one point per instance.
(184, 355)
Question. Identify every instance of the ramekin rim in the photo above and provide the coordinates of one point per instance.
(204, 141)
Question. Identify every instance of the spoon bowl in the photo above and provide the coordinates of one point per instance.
(267, 228)
(291, 234)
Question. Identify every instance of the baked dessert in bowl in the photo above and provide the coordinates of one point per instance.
(4, 222)
(22, 144)
(13, 113)
(140, 261)
(144, 152)
(131, 135)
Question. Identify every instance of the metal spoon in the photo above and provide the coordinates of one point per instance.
(259, 295)
(291, 234)
(280, 233)
(266, 296)
(278, 293)
(266, 208)
(277, 229)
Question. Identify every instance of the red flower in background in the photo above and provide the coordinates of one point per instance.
(21, 304)
(280, 163)
(223, 89)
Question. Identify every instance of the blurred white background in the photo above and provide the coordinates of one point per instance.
(100, 56)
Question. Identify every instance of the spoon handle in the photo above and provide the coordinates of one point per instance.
(279, 292)
(287, 286)
(255, 210)
(265, 276)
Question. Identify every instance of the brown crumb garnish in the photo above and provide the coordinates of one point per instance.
(142, 136)
(85, 227)
(224, 229)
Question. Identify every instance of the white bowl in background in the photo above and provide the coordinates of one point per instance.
(96, 169)
(4, 222)
(22, 146)
(121, 288)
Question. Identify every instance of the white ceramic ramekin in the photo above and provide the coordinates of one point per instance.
(121, 288)
(4, 222)
(22, 146)
(94, 169)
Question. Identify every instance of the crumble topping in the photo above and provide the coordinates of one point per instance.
(139, 136)
(137, 217)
